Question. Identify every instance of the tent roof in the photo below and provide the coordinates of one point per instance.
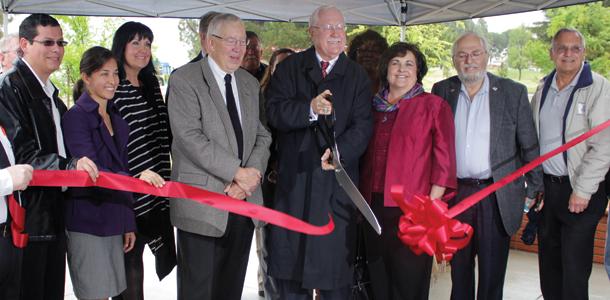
(369, 12)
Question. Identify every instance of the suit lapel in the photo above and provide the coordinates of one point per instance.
(455, 86)
(246, 97)
(497, 100)
(220, 104)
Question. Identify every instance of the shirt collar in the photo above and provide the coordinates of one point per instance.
(571, 84)
(484, 90)
(331, 63)
(48, 87)
(218, 72)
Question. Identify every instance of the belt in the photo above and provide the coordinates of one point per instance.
(5, 230)
(557, 179)
(474, 181)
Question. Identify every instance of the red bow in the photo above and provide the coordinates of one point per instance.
(425, 226)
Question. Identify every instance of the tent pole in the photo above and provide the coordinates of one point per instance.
(5, 22)
(403, 19)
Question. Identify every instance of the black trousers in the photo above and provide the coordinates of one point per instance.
(214, 268)
(395, 271)
(43, 271)
(565, 242)
(10, 269)
(490, 244)
(292, 290)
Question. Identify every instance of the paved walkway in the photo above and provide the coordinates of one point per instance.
(521, 281)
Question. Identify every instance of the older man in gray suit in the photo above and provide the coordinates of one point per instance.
(219, 145)
(495, 135)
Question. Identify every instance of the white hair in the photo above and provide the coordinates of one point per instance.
(5, 41)
(484, 43)
(220, 20)
(313, 19)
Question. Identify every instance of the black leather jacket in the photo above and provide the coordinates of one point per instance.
(31, 130)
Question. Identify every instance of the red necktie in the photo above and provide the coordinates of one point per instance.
(324, 65)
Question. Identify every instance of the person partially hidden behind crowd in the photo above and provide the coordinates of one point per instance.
(413, 146)
(366, 49)
(252, 59)
(571, 100)
(9, 46)
(31, 114)
(100, 223)
(139, 101)
(13, 178)
(265, 283)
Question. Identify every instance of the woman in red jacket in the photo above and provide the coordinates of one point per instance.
(412, 146)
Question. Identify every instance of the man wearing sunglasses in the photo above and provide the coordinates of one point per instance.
(571, 100)
(30, 111)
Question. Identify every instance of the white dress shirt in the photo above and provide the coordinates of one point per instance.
(331, 63)
(6, 182)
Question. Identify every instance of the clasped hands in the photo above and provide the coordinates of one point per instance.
(244, 183)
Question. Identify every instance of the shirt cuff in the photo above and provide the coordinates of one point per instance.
(6, 183)
(312, 116)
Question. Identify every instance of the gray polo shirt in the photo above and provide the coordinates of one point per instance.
(551, 125)
(472, 133)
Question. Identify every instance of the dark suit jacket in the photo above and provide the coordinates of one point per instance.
(304, 190)
(98, 211)
(513, 141)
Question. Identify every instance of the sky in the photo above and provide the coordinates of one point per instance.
(168, 47)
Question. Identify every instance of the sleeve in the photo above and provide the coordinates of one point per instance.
(353, 141)
(443, 148)
(188, 135)
(527, 139)
(260, 153)
(6, 183)
(596, 161)
(285, 110)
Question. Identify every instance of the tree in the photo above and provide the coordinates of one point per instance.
(593, 22)
(189, 35)
(517, 39)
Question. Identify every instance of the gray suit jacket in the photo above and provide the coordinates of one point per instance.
(204, 148)
(514, 141)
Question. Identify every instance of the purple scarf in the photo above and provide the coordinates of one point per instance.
(381, 104)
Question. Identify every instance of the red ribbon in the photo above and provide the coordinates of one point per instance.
(427, 226)
(171, 190)
(20, 239)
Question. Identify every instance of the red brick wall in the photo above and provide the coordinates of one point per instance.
(598, 250)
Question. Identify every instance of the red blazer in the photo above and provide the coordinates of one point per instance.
(421, 150)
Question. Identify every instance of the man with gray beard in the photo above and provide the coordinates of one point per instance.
(495, 135)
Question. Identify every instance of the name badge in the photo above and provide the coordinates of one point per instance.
(580, 108)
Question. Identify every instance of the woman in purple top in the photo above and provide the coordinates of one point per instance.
(100, 223)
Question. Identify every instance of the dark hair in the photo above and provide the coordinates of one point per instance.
(123, 36)
(92, 60)
(251, 34)
(28, 27)
(400, 49)
(267, 76)
(364, 37)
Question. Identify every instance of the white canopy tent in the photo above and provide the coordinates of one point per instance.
(367, 12)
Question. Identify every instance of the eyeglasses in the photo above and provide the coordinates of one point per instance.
(232, 41)
(474, 55)
(330, 27)
(51, 43)
(564, 49)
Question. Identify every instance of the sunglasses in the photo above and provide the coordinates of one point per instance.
(51, 43)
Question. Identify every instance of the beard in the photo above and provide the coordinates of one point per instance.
(472, 77)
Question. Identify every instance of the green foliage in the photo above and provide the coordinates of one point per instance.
(537, 53)
(275, 35)
(189, 35)
(517, 39)
(593, 21)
